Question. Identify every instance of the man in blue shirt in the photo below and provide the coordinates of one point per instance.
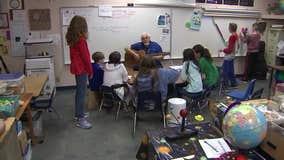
(146, 45)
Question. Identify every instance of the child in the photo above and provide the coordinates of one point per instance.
(228, 64)
(97, 80)
(252, 41)
(190, 73)
(208, 69)
(115, 73)
(146, 84)
(153, 77)
(80, 65)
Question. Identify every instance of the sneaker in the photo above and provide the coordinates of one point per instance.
(83, 123)
(86, 115)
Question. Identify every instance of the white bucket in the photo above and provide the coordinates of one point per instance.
(174, 107)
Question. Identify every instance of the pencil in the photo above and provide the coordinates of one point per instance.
(211, 146)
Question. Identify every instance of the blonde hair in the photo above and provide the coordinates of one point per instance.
(78, 27)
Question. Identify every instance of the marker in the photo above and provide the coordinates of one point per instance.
(211, 146)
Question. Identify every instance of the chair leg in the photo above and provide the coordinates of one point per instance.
(164, 116)
(101, 105)
(118, 109)
(134, 124)
(52, 109)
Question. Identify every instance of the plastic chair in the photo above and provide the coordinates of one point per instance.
(243, 95)
(257, 94)
(45, 104)
(109, 97)
(142, 100)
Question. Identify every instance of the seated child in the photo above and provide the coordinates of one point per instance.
(153, 77)
(96, 81)
(115, 73)
(208, 69)
(190, 73)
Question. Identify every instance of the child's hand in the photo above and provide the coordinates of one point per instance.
(203, 76)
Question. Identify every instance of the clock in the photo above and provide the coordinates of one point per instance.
(16, 4)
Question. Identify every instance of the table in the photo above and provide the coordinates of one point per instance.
(34, 84)
(9, 145)
(26, 98)
(273, 67)
(149, 148)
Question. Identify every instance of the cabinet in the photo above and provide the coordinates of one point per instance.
(39, 60)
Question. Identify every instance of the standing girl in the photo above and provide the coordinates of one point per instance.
(80, 65)
(230, 51)
(252, 41)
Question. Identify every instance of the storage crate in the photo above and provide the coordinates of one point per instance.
(9, 105)
(15, 81)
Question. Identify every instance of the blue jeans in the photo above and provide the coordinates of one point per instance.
(229, 73)
(81, 94)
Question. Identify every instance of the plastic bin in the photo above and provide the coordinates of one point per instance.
(15, 82)
(9, 105)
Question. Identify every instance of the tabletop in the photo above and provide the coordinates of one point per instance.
(34, 84)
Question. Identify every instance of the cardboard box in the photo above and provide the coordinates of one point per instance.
(273, 144)
(22, 138)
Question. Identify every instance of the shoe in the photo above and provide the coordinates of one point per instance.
(86, 115)
(83, 123)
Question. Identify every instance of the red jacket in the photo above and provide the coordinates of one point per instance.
(80, 58)
(232, 41)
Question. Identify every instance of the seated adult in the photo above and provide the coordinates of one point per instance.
(147, 46)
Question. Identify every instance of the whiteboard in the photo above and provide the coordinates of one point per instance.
(127, 23)
(107, 34)
(208, 35)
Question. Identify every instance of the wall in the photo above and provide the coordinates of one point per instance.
(62, 74)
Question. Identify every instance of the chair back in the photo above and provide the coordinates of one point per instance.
(250, 88)
(257, 94)
(143, 98)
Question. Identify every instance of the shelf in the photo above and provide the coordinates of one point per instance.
(38, 41)
(273, 17)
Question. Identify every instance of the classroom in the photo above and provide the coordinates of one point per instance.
(141, 79)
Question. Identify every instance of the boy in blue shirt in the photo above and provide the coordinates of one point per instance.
(96, 81)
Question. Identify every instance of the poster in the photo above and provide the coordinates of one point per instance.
(4, 43)
(195, 23)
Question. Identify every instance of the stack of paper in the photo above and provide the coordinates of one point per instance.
(214, 148)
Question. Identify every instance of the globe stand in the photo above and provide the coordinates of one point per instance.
(181, 132)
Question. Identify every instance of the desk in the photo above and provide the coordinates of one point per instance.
(26, 98)
(148, 149)
(273, 67)
(34, 84)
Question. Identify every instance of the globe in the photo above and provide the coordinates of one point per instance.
(244, 126)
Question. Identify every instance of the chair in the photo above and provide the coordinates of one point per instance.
(109, 97)
(143, 99)
(243, 95)
(45, 104)
(257, 94)
(199, 99)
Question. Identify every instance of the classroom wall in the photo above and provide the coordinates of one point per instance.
(62, 74)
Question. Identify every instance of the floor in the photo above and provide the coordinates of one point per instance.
(107, 140)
